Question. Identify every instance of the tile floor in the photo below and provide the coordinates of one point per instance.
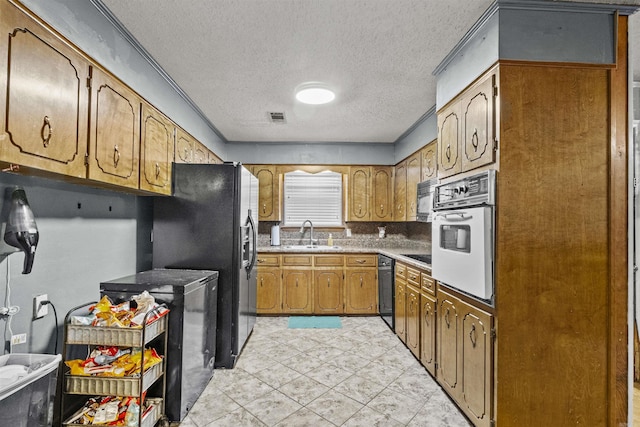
(359, 375)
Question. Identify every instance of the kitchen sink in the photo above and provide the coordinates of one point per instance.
(315, 247)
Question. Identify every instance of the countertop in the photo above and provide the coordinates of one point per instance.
(395, 253)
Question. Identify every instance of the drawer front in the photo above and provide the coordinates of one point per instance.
(401, 270)
(296, 260)
(268, 260)
(328, 260)
(413, 277)
(428, 284)
(362, 260)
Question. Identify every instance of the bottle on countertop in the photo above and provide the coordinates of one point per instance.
(330, 240)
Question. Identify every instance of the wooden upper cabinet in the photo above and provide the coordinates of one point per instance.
(478, 124)
(359, 192)
(44, 95)
(382, 188)
(213, 159)
(200, 153)
(114, 131)
(269, 190)
(449, 136)
(413, 177)
(400, 192)
(466, 128)
(429, 164)
(185, 144)
(156, 150)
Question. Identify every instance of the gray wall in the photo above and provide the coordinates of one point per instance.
(86, 236)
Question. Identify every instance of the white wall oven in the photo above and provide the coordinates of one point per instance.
(463, 234)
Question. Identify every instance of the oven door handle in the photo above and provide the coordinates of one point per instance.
(454, 216)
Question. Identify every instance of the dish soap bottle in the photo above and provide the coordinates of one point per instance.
(330, 240)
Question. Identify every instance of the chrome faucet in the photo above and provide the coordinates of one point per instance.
(311, 240)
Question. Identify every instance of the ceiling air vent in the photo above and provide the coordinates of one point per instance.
(277, 117)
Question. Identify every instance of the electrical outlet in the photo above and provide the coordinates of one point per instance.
(39, 309)
(18, 339)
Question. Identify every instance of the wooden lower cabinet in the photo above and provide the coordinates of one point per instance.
(328, 292)
(400, 309)
(465, 356)
(269, 292)
(413, 320)
(428, 305)
(361, 291)
(297, 291)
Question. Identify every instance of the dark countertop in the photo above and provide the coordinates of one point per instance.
(395, 253)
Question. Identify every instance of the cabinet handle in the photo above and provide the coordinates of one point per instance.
(360, 281)
(46, 131)
(116, 156)
(446, 319)
(260, 260)
(473, 336)
(413, 207)
(296, 282)
(427, 313)
(474, 139)
(382, 209)
(328, 282)
(261, 281)
(359, 209)
(264, 208)
(360, 261)
(157, 170)
(447, 152)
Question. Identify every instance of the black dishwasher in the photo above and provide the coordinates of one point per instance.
(192, 297)
(386, 291)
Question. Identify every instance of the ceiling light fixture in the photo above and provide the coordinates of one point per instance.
(314, 93)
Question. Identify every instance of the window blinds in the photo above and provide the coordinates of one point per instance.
(316, 197)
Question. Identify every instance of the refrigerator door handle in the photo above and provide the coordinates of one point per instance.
(254, 246)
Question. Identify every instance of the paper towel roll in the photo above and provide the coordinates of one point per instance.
(461, 243)
(275, 235)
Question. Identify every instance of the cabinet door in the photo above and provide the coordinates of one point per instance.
(428, 332)
(449, 130)
(413, 320)
(268, 193)
(157, 134)
(400, 312)
(297, 295)
(476, 345)
(413, 177)
(478, 124)
(269, 292)
(328, 292)
(45, 97)
(114, 131)
(361, 289)
(447, 344)
(382, 200)
(429, 161)
(400, 192)
(184, 147)
(200, 153)
(359, 192)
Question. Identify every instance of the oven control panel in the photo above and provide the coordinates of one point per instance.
(470, 191)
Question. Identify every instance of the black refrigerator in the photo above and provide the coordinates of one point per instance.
(191, 295)
(211, 223)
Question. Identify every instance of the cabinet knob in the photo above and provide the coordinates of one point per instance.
(46, 131)
(157, 170)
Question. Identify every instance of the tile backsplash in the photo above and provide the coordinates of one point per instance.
(415, 235)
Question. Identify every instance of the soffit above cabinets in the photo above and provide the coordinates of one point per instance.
(239, 61)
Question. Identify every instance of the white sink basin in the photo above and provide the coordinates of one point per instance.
(309, 247)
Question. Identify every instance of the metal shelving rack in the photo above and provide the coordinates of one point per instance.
(133, 386)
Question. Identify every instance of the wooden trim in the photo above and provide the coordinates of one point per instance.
(618, 233)
(556, 64)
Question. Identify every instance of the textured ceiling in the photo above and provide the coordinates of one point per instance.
(240, 60)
